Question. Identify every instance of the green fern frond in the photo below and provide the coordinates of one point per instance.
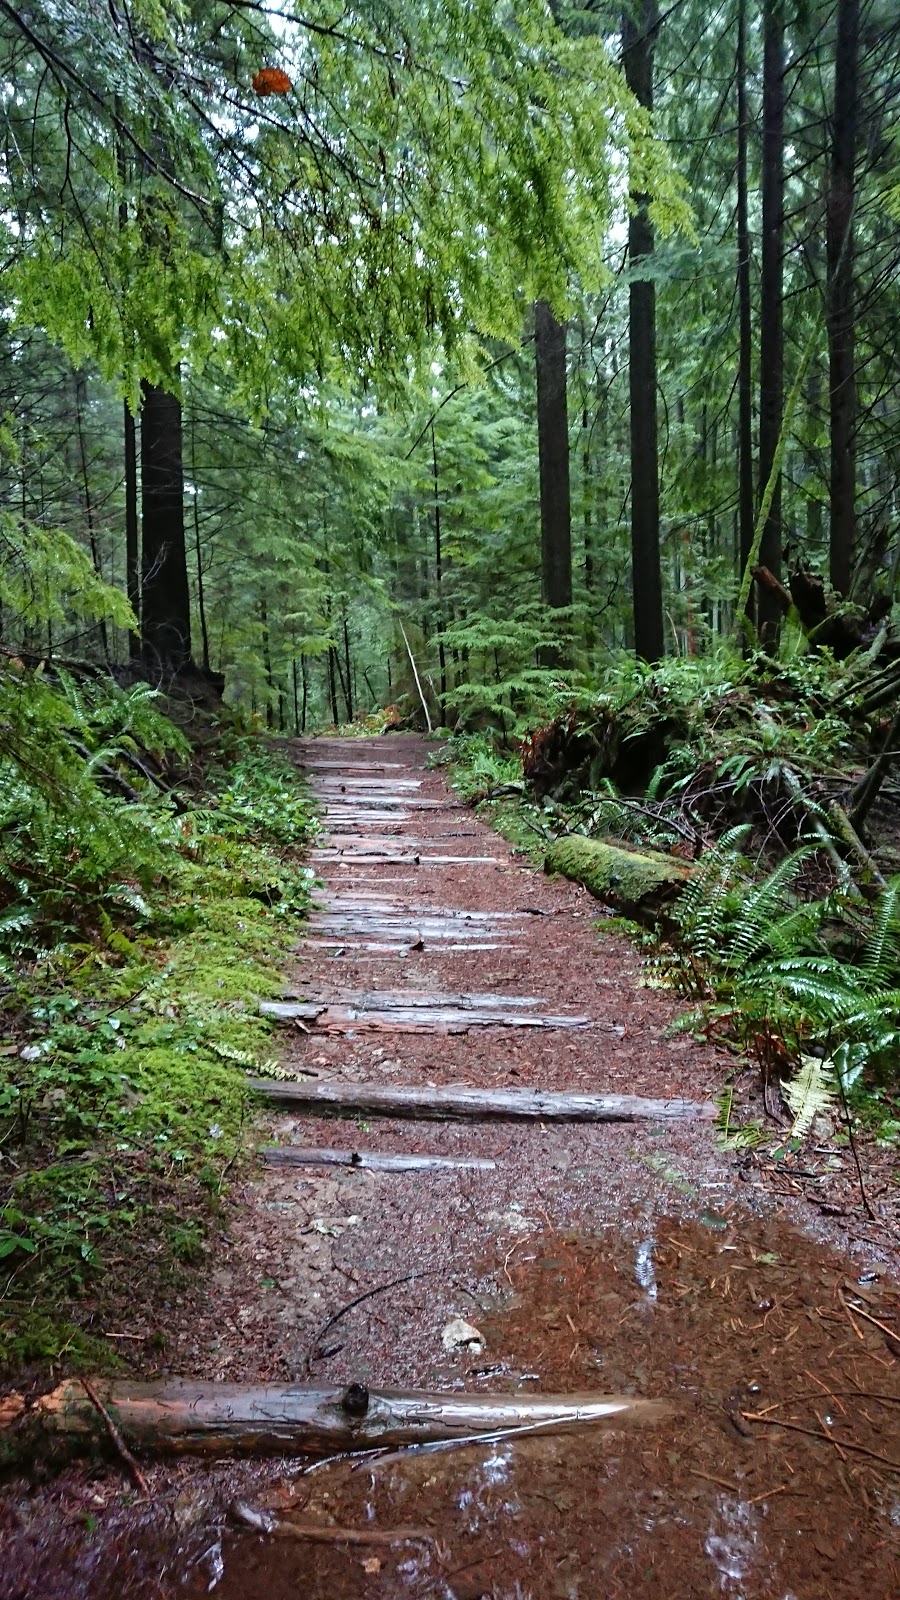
(809, 1093)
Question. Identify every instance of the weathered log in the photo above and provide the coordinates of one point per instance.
(637, 881)
(290, 1155)
(456, 1100)
(177, 1415)
(397, 1017)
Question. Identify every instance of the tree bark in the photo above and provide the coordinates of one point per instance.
(639, 28)
(771, 320)
(553, 459)
(839, 261)
(745, 326)
(165, 596)
(132, 546)
(372, 1160)
(177, 1415)
(531, 1105)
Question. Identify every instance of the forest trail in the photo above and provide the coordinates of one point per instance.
(530, 1256)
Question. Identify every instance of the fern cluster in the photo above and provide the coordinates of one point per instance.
(763, 963)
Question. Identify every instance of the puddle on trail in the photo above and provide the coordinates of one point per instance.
(719, 1319)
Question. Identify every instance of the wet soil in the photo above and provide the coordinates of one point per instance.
(620, 1258)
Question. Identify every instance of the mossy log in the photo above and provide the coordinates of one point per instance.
(638, 882)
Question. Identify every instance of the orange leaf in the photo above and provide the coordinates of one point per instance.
(271, 80)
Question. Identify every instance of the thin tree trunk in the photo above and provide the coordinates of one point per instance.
(132, 546)
(294, 687)
(348, 686)
(839, 259)
(438, 583)
(745, 326)
(638, 39)
(332, 684)
(201, 602)
(165, 595)
(771, 321)
(88, 506)
(267, 663)
(305, 702)
(553, 458)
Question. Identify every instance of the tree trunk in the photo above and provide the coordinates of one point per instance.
(638, 39)
(132, 548)
(745, 359)
(771, 320)
(80, 401)
(553, 459)
(166, 603)
(839, 259)
(438, 583)
(198, 552)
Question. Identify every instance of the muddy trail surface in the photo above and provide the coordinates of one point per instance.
(533, 1255)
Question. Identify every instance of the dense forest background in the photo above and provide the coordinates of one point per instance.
(284, 466)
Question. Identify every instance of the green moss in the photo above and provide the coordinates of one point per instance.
(636, 881)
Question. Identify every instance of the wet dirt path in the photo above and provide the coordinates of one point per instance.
(622, 1257)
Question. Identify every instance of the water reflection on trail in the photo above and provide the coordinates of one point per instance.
(769, 1476)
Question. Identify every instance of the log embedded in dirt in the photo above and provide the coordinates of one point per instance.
(392, 1015)
(176, 1415)
(371, 1160)
(451, 1101)
(637, 881)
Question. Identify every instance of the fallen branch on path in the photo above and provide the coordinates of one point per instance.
(262, 1521)
(455, 1100)
(370, 1160)
(175, 1415)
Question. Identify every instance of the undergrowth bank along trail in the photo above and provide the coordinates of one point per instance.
(457, 1249)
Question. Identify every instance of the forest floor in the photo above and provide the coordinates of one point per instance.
(639, 1257)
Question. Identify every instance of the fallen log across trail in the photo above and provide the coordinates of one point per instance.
(183, 1416)
(289, 1155)
(417, 1014)
(452, 1101)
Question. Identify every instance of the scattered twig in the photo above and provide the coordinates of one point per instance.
(116, 1437)
(813, 1433)
(368, 1294)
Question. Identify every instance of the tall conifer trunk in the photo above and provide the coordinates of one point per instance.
(771, 317)
(745, 327)
(132, 551)
(839, 259)
(639, 27)
(165, 597)
(553, 456)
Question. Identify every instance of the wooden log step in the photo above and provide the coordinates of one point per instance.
(375, 999)
(431, 1019)
(216, 1419)
(416, 860)
(363, 802)
(323, 764)
(451, 1101)
(291, 1155)
(404, 948)
(345, 783)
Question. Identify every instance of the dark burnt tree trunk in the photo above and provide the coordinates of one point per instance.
(639, 26)
(745, 328)
(839, 260)
(165, 597)
(553, 457)
(771, 316)
(132, 549)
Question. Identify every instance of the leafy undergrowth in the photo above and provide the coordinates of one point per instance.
(805, 984)
(138, 936)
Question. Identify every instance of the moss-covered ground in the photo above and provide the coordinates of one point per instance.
(123, 1058)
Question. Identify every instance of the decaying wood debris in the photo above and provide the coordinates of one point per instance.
(452, 1101)
(182, 1416)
